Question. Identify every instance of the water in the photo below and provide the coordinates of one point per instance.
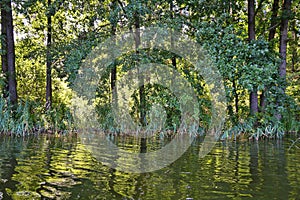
(49, 167)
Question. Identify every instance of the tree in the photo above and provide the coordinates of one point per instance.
(141, 77)
(284, 39)
(286, 12)
(113, 72)
(48, 59)
(4, 49)
(272, 31)
(251, 36)
(8, 59)
(275, 8)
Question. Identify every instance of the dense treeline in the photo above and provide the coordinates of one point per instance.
(254, 44)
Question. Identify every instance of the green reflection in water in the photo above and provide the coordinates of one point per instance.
(62, 168)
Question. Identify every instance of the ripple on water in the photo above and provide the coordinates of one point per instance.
(62, 168)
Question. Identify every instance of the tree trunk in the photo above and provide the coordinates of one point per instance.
(275, 9)
(172, 37)
(48, 60)
(113, 72)
(251, 35)
(272, 32)
(251, 20)
(294, 47)
(143, 145)
(283, 46)
(4, 47)
(284, 39)
(236, 98)
(140, 76)
(8, 59)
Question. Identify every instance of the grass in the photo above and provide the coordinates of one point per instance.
(28, 118)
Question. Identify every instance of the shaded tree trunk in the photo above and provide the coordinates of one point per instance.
(172, 37)
(12, 83)
(251, 35)
(275, 8)
(143, 141)
(283, 46)
(284, 39)
(272, 32)
(141, 77)
(143, 145)
(8, 59)
(113, 73)
(294, 47)
(48, 60)
(236, 98)
(4, 48)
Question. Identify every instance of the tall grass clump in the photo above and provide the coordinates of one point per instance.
(29, 118)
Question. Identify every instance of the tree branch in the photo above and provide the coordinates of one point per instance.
(275, 26)
(259, 7)
(122, 7)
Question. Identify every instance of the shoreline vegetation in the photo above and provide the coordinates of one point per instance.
(253, 44)
(19, 121)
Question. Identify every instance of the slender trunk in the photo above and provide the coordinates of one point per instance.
(294, 47)
(253, 102)
(143, 145)
(262, 100)
(4, 47)
(113, 72)
(140, 76)
(283, 46)
(251, 20)
(236, 98)
(284, 39)
(251, 35)
(275, 9)
(172, 37)
(173, 59)
(143, 142)
(272, 32)
(12, 83)
(48, 61)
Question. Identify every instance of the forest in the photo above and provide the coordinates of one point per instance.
(254, 44)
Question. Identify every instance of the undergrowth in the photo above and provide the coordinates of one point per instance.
(28, 118)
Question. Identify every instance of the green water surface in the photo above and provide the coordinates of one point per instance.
(52, 167)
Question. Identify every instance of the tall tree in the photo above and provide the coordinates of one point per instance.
(275, 8)
(286, 11)
(4, 48)
(113, 72)
(172, 37)
(272, 32)
(8, 59)
(294, 46)
(140, 76)
(251, 36)
(48, 59)
(284, 39)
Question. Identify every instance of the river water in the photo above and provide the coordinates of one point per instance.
(53, 167)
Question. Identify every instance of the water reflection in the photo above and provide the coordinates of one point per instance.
(50, 167)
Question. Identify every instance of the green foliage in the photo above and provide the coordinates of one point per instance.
(156, 95)
(27, 118)
(219, 26)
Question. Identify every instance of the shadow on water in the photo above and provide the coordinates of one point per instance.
(52, 167)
